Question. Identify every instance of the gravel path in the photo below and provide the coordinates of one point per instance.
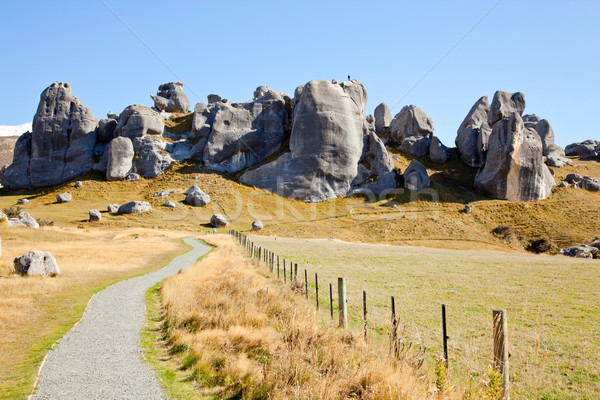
(99, 358)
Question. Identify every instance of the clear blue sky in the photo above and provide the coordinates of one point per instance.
(403, 52)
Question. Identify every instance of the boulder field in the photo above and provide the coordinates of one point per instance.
(319, 142)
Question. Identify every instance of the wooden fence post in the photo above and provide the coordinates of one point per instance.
(501, 350)
(342, 303)
(306, 283)
(284, 273)
(331, 299)
(317, 290)
(365, 313)
(445, 335)
(277, 266)
(394, 330)
(260, 254)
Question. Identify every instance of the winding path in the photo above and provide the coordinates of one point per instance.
(99, 358)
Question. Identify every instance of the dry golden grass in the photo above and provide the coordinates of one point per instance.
(239, 334)
(36, 311)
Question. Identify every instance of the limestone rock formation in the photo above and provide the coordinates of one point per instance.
(383, 118)
(415, 176)
(531, 120)
(242, 134)
(504, 105)
(218, 221)
(213, 98)
(24, 219)
(106, 130)
(514, 169)
(61, 145)
(585, 182)
(257, 225)
(132, 177)
(170, 204)
(138, 121)
(584, 150)
(95, 215)
(22, 201)
(196, 197)
(412, 131)
(119, 155)
(171, 98)
(472, 135)
(152, 159)
(64, 198)
(437, 151)
(376, 171)
(36, 262)
(112, 208)
(325, 144)
(134, 207)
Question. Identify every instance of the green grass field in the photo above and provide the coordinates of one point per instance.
(552, 302)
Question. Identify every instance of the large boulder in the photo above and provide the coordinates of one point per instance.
(119, 155)
(24, 219)
(437, 151)
(584, 150)
(554, 153)
(415, 176)
(257, 225)
(383, 118)
(95, 215)
(16, 175)
(152, 159)
(171, 98)
(218, 221)
(134, 207)
(37, 262)
(138, 121)
(106, 130)
(194, 196)
(376, 170)
(325, 144)
(473, 133)
(515, 169)
(242, 134)
(61, 145)
(504, 105)
(412, 131)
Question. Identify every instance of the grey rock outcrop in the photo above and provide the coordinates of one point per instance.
(138, 121)
(531, 120)
(37, 262)
(64, 198)
(78, 184)
(584, 150)
(112, 208)
(218, 221)
(106, 130)
(584, 182)
(514, 169)
(376, 170)
(134, 207)
(170, 204)
(61, 145)
(504, 105)
(383, 118)
(411, 131)
(152, 159)
(22, 201)
(473, 134)
(437, 151)
(415, 176)
(257, 225)
(196, 197)
(95, 215)
(24, 219)
(242, 134)
(171, 98)
(325, 144)
(132, 177)
(213, 98)
(119, 158)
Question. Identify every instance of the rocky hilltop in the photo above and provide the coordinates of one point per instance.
(319, 142)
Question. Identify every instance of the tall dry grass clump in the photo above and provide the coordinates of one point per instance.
(242, 335)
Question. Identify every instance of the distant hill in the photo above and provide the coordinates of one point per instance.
(8, 137)
(15, 130)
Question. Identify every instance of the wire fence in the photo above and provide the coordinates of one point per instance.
(462, 337)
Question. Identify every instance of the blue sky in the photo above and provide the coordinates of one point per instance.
(439, 55)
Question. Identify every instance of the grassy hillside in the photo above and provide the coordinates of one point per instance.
(432, 217)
